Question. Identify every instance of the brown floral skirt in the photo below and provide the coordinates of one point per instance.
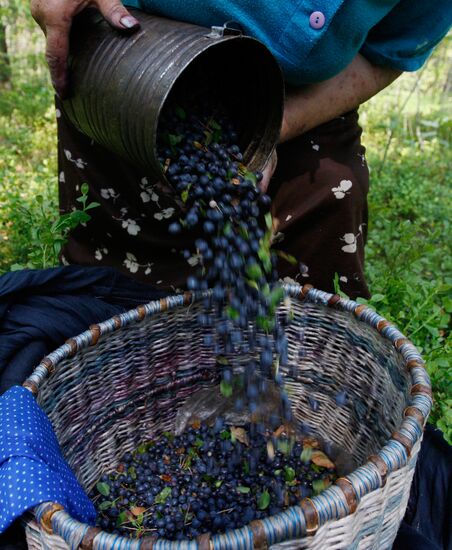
(319, 195)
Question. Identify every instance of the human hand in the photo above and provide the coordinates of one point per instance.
(267, 172)
(270, 167)
(55, 19)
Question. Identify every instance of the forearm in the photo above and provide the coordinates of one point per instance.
(314, 104)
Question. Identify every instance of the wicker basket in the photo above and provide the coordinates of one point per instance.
(122, 382)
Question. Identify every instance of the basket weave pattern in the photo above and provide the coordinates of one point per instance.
(122, 382)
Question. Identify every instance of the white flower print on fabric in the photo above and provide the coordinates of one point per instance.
(289, 217)
(343, 189)
(343, 279)
(99, 253)
(165, 213)
(194, 260)
(148, 192)
(131, 263)
(57, 113)
(80, 163)
(149, 196)
(129, 224)
(350, 242)
(62, 177)
(315, 146)
(109, 193)
(132, 227)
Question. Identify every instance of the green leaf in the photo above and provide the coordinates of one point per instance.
(254, 271)
(84, 188)
(139, 521)
(268, 220)
(122, 518)
(264, 500)
(209, 137)
(250, 176)
(103, 488)
(225, 434)
(163, 495)
(132, 472)
(243, 489)
(276, 296)
(306, 454)
(180, 112)
(199, 442)
(193, 452)
(264, 256)
(289, 473)
(184, 195)
(225, 389)
(288, 257)
(232, 313)
(318, 485)
(174, 140)
(246, 467)
(264, 323)
(252, 284)
(266, 290)
(284, 446)
(214, 124)
(105, 505)
(218, 483)
(244, 232)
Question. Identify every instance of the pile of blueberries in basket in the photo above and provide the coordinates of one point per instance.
(209, 479)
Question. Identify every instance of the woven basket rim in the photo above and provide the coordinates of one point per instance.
(402, 442)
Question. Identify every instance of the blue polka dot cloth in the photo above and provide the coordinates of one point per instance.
(32, 469)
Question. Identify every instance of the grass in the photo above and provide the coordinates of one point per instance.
(406, 131)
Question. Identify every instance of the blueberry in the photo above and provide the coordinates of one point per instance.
(208, 227)
(341, 398)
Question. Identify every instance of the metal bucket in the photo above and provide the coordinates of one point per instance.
(121, 82)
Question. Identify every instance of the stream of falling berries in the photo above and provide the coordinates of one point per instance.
(215, 478)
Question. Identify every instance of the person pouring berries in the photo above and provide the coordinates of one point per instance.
(335, 55)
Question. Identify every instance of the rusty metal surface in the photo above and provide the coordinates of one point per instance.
(120, 82)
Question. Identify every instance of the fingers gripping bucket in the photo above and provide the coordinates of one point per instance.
(123, 381)
(120, 83)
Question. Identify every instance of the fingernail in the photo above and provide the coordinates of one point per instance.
(129, 22)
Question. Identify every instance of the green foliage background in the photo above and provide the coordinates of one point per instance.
(407, 131)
